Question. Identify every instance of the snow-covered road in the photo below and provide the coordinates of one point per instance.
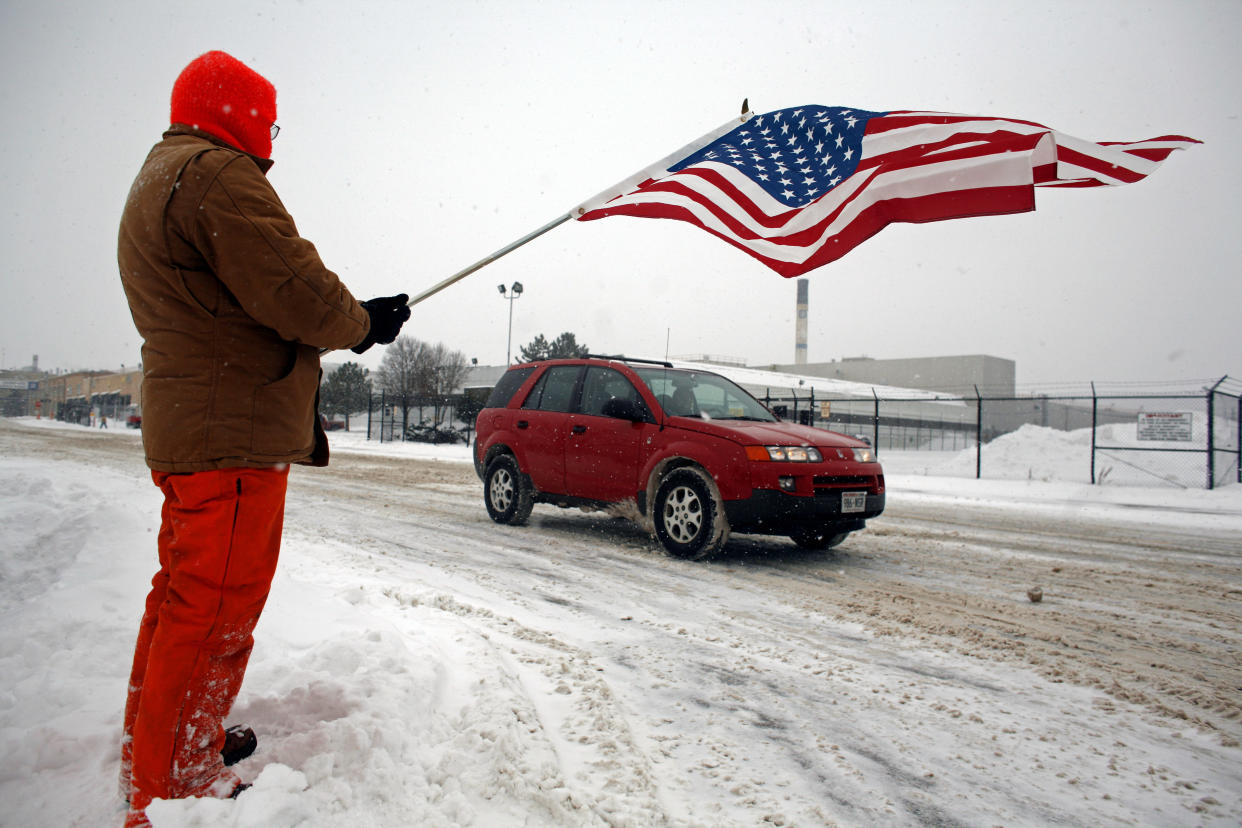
(419, 664)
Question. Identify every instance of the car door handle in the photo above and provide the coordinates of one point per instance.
(578, 429)
(523, 424)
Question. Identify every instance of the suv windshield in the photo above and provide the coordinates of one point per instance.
(701, 394)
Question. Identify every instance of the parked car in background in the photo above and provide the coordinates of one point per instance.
(695, 453)
(423, 433)
(331, 425)
(133, 421)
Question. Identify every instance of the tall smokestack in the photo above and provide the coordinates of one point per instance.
(800, 342)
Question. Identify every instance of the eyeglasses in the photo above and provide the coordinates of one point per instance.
(275, 131)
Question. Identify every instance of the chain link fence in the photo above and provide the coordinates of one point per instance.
(439, 418)
(1183, 440)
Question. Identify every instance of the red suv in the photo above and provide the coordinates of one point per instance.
(697, 455)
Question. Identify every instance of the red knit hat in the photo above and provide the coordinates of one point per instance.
(219, 94)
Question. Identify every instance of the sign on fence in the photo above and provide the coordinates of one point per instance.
(1168, 426)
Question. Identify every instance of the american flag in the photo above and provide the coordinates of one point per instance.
(798, 188)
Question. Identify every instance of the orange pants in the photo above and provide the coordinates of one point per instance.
(218, 544)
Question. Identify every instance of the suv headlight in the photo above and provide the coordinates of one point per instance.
(866, 454)
(784, 454)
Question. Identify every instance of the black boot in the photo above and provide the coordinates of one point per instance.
(239, 742)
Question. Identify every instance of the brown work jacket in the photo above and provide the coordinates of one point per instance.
(233, 307)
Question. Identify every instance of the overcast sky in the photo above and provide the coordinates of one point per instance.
(418, 137)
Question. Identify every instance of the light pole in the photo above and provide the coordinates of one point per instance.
(512, 293)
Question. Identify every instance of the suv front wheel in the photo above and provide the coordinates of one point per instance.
(506, 492)
(687, 517)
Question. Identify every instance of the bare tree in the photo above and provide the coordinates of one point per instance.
(449, 369)
(399, 372)
(415, 373)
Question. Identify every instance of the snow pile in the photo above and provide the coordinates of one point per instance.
(1037, 453)
(378, 707)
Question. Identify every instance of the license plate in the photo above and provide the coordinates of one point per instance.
(853, 501)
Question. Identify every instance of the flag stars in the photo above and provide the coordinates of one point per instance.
(796, 156)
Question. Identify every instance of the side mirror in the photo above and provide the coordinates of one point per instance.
(620, 409)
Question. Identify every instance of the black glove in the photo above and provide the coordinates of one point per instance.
(388, 314)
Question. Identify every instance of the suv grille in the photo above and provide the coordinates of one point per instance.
(827, 484)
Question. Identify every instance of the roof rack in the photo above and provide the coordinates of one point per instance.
(624, 358)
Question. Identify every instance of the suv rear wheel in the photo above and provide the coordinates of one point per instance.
(687, 516)
(506, 492)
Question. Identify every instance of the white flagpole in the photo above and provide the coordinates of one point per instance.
(508, 248)
(612, 192)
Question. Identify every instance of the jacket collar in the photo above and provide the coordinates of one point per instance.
(175, 130)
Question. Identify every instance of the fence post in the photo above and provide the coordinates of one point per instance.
(370, 405)
(1095, 403)
(978, 434)
(875, 423)
(1211, 433)
(1240, 438)
(383, 408)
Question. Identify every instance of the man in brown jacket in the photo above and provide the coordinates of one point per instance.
(234, 308)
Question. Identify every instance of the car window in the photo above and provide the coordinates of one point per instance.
(602, 385)
(508, 385)
(702, 394)
(554, 391)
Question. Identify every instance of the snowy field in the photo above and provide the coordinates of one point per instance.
(419, 665)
